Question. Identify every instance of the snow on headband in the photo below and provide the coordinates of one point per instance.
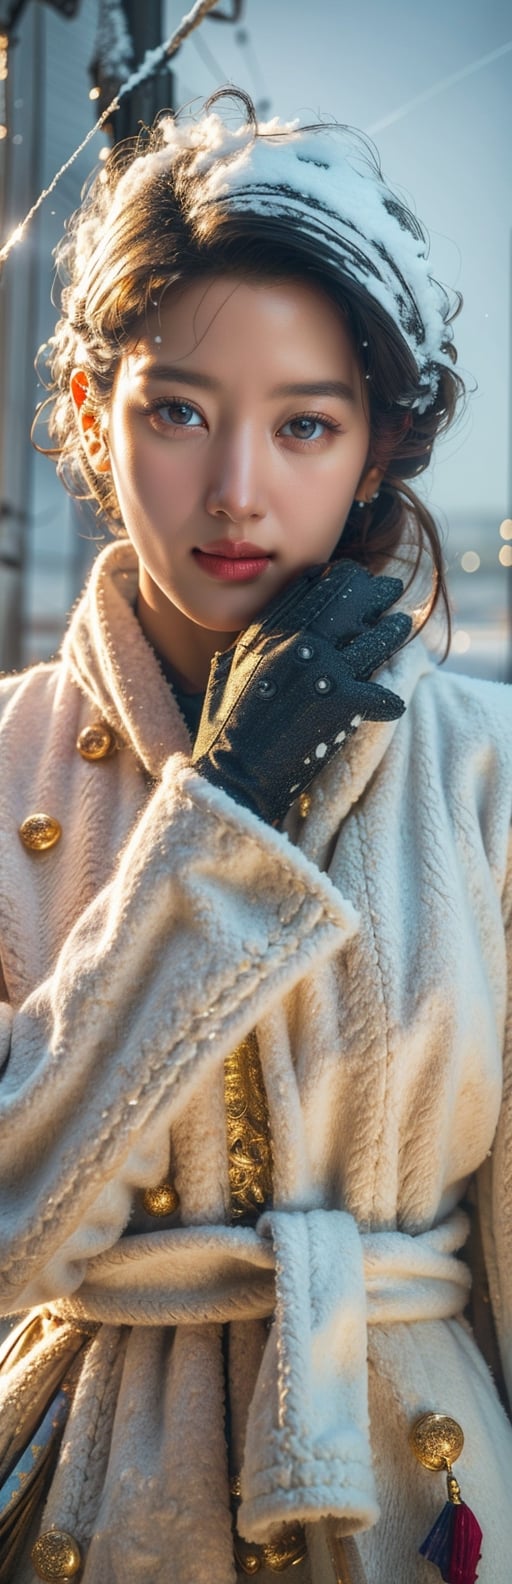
(328, 182)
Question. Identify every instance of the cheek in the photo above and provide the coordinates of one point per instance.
(122, 457)
(162, 472)
(332, 478)
(326, 492)
(321, 499)
(138, 468)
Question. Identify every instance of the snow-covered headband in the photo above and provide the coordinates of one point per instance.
(328, 182)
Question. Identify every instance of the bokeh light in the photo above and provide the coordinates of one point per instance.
(470, 561)
(461, 641)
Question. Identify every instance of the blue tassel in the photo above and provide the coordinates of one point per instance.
(454, 1543)
(437, 1547)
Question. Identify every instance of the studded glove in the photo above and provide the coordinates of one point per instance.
(282, 702)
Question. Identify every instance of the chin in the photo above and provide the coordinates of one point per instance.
(241, 613)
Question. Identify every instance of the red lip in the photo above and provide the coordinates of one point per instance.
(238, 564)
(234, 550)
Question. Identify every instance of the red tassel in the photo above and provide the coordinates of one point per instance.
(454, 1544)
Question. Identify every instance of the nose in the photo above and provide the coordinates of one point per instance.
(236, 483)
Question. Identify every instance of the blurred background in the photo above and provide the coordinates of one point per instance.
(433, 88)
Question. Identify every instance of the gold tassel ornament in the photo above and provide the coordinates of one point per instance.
(454, 1542)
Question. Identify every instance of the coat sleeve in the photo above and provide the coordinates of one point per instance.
(209, 918)
(493, 1273)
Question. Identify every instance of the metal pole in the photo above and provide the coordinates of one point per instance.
(17, 337)
(145, 24)
(139, 108)
(508, 513)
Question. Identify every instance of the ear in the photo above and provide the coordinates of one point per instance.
(369, 484)
(91, 426)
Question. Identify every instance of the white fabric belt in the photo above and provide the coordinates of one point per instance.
(307, 1447)
(219, 1273)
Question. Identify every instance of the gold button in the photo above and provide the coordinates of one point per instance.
(56, 1555)
(40, 831)
(160, 1201)
(304, 804)
(249, 1558)
(279, 1555)
(96, 741)
(436, 1440)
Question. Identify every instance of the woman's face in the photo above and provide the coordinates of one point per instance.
(238, 436)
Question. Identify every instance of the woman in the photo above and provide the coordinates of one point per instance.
(253, 915)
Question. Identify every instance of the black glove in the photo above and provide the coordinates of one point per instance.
(281, 703)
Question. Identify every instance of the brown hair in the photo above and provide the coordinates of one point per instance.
(114, 270)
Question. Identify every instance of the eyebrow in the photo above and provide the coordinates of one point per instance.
(167, 371)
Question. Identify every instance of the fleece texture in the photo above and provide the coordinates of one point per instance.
(367, 943)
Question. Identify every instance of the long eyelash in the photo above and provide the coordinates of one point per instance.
(327, 423)
(315, 418)
(159, 404)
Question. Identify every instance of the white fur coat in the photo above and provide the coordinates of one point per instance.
(368, 946)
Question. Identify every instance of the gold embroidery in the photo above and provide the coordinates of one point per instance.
(278, 1556)
(250, 1182)
(248, 1132)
